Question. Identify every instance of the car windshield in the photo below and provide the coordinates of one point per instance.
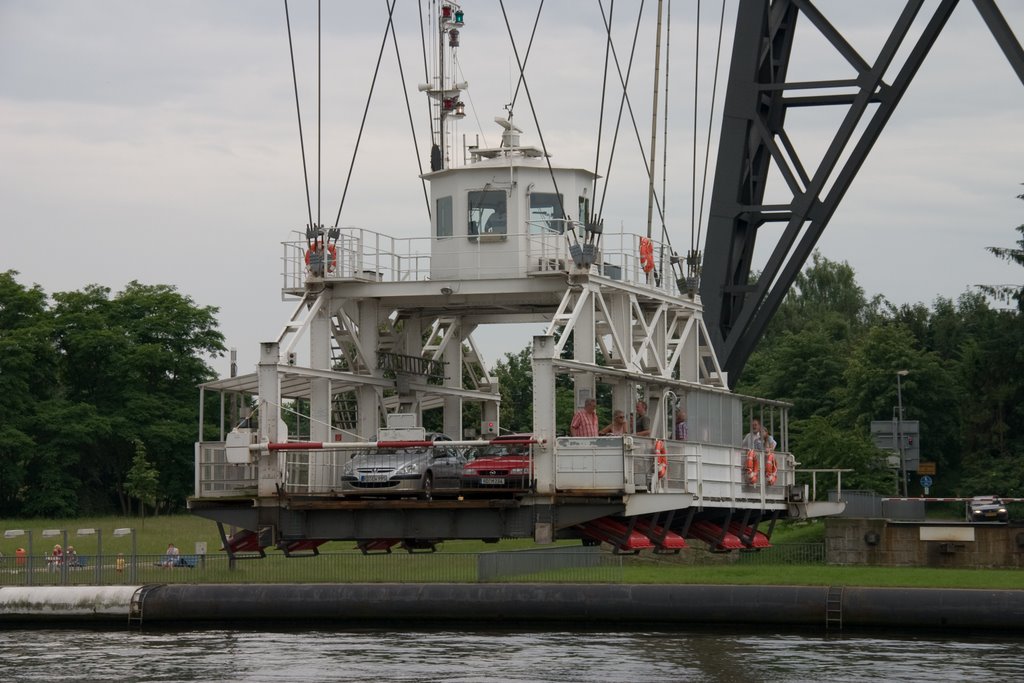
(497, 450)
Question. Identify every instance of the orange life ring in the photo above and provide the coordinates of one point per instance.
(332, 255)
(661, 458)
(646, 254)
(771, 469)
(751, 468)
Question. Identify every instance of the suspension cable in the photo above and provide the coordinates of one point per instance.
(533, 111)
(693, 171)
(526, 58)
(408, 109)
(632, 116)
(298, 113)
(711, 117)
(622, 100)
(366, 109)
(604, 89)
(664, 153)
(319, 107)
(654, 120)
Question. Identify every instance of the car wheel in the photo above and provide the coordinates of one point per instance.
(428, 486)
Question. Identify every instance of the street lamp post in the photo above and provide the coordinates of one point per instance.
(99, 551)
(50, 533)
(14, 533)
(125, 531)
(900, 374)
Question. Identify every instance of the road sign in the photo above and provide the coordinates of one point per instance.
(926, 467)
(926, 481)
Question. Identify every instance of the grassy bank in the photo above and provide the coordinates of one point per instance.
(456, 560)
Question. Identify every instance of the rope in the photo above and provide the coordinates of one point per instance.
(654, 121)
(408, 109)
(298, 112)
(711, 117)
(366, 109)
(472, 107)
(533, 111)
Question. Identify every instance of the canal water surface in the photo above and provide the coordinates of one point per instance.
(455, 656)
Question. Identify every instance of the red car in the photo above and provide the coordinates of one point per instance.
(504, 464)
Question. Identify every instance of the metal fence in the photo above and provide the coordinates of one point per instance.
(564, 564)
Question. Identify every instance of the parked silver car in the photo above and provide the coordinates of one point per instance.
(421, 470)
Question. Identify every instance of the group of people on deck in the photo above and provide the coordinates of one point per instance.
(584, 422)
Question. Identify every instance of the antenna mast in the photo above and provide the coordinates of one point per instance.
(444, 92)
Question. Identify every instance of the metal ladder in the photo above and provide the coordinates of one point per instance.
(135, 606)
(834, 609)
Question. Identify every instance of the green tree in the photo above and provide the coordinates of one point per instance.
(515, 382)
(818, 443)
(134, 359)
(930, 393)
(28, 363)
(143, 481)
(1008, 293)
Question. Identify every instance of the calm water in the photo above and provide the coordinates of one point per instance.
(453, 656)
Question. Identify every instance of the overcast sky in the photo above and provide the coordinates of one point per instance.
(157, 141)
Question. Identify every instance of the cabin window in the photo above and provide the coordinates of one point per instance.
(584, 209)
(546, 213)
(444, 217)
(488, 213)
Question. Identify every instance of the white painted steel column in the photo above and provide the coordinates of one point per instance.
(269, 465)
(623, 393)
(544, 412)
(369, 415)
(583, 348)
(452, 358)
(321, 477)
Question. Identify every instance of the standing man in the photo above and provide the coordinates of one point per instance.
(758, 437)
(584, 422)
(643, 421)
(682, 432)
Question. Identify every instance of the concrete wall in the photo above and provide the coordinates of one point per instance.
(885, 543)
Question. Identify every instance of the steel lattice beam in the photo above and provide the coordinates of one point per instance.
(737, 308)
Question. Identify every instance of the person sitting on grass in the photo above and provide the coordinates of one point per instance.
(172, 556)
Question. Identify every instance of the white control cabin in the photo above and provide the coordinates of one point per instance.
(505, 214)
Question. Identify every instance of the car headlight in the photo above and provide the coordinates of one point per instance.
(471, 472)
(519, 470)
(1002, 511)
(408, 468)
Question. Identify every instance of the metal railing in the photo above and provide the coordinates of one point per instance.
(563, 564)
(365, 255)
(215, 476)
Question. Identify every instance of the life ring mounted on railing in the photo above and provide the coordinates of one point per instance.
(660, 459)
(646, 254)
(771, 469)
(751, 468)
(332, 255)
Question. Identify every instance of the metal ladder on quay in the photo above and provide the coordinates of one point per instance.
(834, 609)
